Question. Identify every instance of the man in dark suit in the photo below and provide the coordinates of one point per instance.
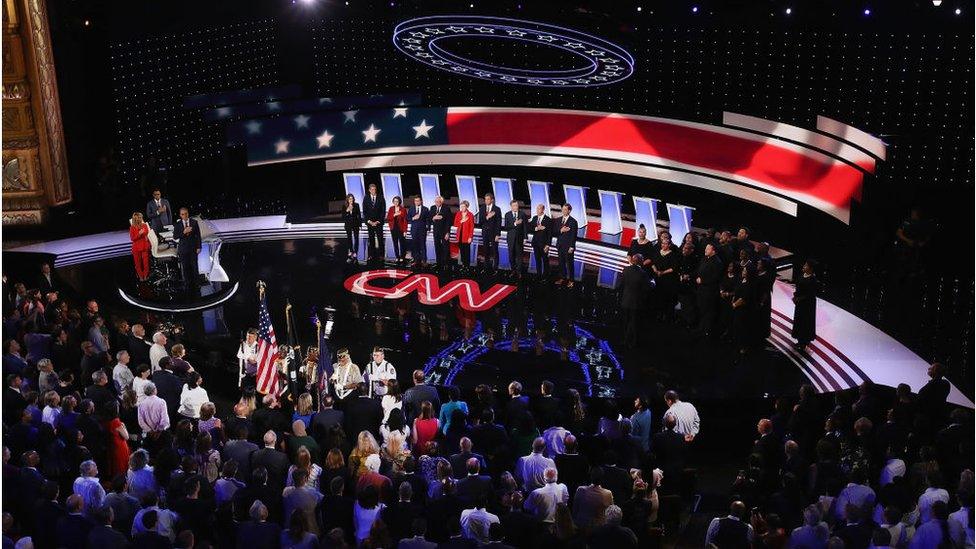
(240, 450)
(707, 280)
(490, 219)
(668, 447)
(168, 385)
(72, 529)
(540, 227)
(416, 395)
(255, 490)
(399, 516)
(363, 414)
(441, 219)
(325, 419)
(573, 467)
(459, 461)
(474, 487)
(335, 510)
(137, 345)
(768, 446)
(516, 408)
(548, 408)
(187, 233)
(566, 244)
(516, 224)
(102, 534)
(634, 285)
(47, 512)
(158, 211)
(273, 460)
(47, 282)
(13, 400)
(418, 217)
(616, 478)
(259, 531)
(374, 212)
(932, 396)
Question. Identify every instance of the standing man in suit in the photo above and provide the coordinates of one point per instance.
(440, 226)
(374, 212)
(634, 285)
(186, 231)
(47, 282)
(566, 245)
(491, 227)
(418, 218)
(515, 231)
(541, 227)
(158, 211)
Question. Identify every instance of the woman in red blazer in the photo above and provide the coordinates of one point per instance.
(464, 224)
(396, 217)
(139, 235)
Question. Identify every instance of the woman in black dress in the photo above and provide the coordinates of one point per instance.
(666, 263)
(353, 220)
(643, 246)
(765, 278)
(687, 272)
(743, 305)
(805, 307)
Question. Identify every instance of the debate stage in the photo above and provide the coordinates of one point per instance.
(571, 336)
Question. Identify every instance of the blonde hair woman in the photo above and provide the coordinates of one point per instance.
(139, 235)
(395, 451)
(365, 446)
(303, 409)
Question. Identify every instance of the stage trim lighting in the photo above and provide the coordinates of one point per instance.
(425, 39)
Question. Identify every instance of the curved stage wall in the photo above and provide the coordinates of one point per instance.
(847, 351)
(772, 164)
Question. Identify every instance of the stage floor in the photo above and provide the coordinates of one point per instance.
(297, 263)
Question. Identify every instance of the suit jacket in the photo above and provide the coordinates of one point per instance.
(168, 387)
(565, 240)
(574, 470)
(474, 487)
(634, 285)
(45, 285)
(618, 481)
(353, 219)
(323, 421)
(490, 226)
(105, 536)
(515, 233)
(710, 271)
(138, 349)
(399, 518)
(442, 226)
(276, 462)
(258, 534)
(540, 237)
(241, 452)
(374, 210)
(459, 463)
(669, 452)
(45, 514)
(157, 220)
(589, 506)
(416, 395)
(418, 227)
(548, 411)
(188, 244)
(363, 414)
(72, 531)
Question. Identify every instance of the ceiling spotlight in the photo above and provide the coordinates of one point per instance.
(789, 11)
(639, 8)
(867, 11)
(694, 9)
(88, 23)
(936, 3)
(958, 11)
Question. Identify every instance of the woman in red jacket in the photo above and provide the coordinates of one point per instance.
(396, 217)
(139, 235)
(464, 224)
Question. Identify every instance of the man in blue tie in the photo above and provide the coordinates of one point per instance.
(566, 245)
(374, 212)
(418, 219)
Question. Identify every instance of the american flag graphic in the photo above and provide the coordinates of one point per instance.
(267, 352)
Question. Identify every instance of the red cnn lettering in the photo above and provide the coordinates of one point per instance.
(428, 289)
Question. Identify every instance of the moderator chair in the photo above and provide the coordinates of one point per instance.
(163, 260)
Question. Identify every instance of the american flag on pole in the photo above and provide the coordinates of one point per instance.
(267, 378)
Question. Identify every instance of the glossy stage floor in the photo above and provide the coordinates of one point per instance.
(578, 343)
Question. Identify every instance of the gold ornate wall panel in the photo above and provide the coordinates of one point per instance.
(34, 163)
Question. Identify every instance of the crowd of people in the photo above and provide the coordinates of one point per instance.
(875, 470)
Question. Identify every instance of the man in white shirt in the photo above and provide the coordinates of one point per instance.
(165, 519)
(89, 488)
(931, 495)
(960, 527)
(542, 502)
(857, 493)
(530, 470)
(378, 373)
(158, 350)
(121, 372)
(685, 415)
(476, 522)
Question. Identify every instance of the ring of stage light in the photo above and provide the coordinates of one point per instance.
(428, 39)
